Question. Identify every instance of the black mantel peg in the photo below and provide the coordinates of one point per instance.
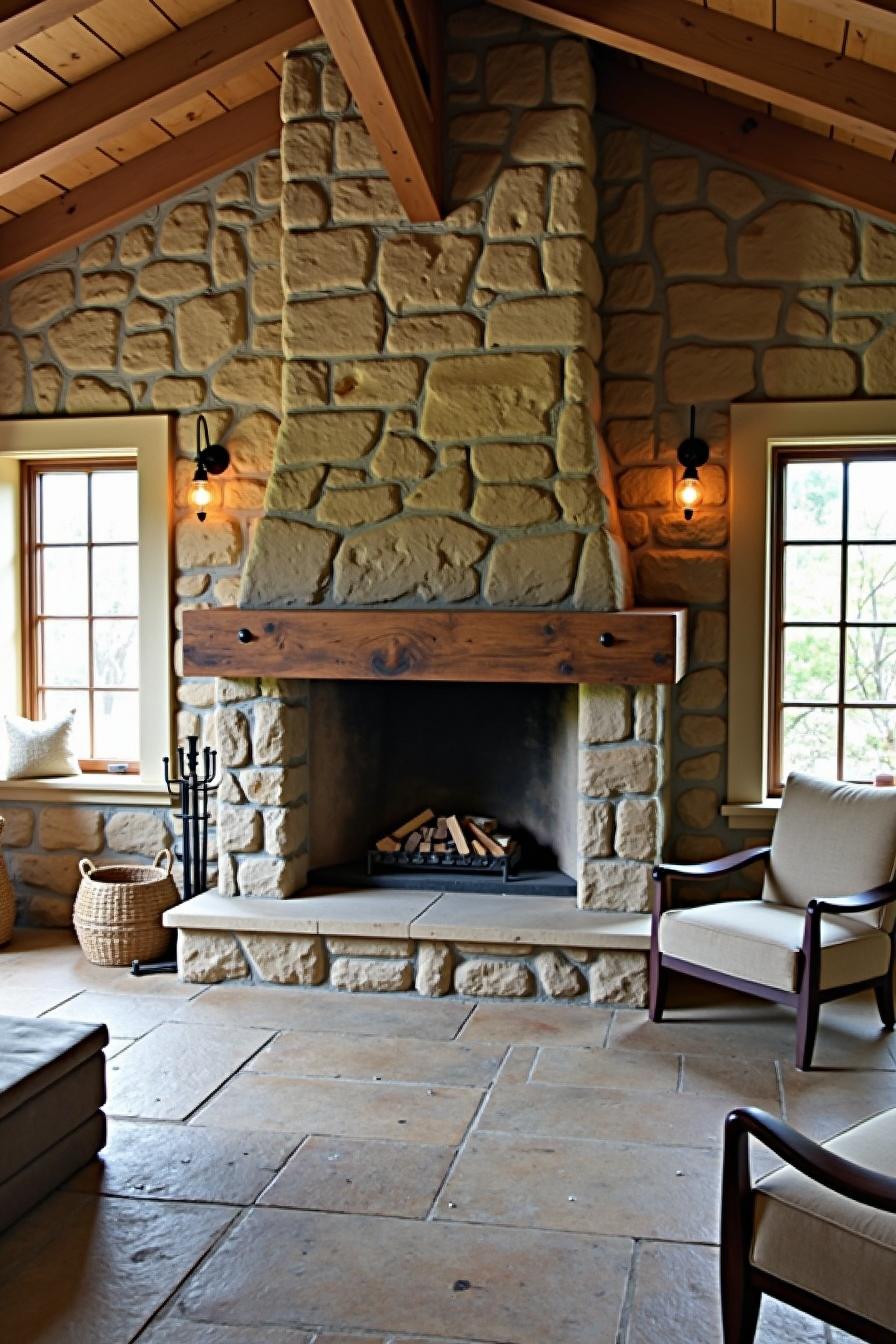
(607, 640)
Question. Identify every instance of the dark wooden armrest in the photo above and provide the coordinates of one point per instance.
(716, 868)
(867, 1187)
(861, 901)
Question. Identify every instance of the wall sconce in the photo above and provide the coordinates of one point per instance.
(692, 453)
(211, 460)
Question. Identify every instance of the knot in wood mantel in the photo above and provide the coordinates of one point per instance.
(635, 647)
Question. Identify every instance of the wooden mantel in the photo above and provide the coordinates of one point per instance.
(643, 645)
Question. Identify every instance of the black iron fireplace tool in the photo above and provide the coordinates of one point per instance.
(192, 789)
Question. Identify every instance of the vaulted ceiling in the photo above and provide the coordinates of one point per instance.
(114, 106)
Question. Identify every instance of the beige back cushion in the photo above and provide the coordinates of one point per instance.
(832, 840)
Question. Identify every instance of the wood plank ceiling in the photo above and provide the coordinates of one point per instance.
(88, 90)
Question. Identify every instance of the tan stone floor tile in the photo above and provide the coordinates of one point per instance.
(633, 1070)
(342, 1108)
(78, 1269)
(68, 972)
(676, 1301)
(160, 1160)
(538, 1024)
(390, 1059)
(518, 1063)
(174, 1330)
(763, 1031)
(345, 1272)
(129, 1015)
(744, 1082)
(325, 1010)
(822, 1103)
(172, 1070)
(31, 1002)
(570, 1185)
(552, 1112)
(361, 1176)
(116, 1046)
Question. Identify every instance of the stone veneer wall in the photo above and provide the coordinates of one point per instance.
(178, 311)
(721, 285)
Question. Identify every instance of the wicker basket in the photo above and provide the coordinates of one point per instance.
(118, 910)
(7, 900)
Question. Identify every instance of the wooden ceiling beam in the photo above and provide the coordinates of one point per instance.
(751, 139)
(877, 14)
(21, 19)
(752, 60)
(177, 166)
(371, 48)
(129, 92)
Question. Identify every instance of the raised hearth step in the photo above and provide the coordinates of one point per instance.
(547, 921)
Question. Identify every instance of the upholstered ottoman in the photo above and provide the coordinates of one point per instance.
(52, 1085)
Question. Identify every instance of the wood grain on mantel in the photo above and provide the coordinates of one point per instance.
(643, 645)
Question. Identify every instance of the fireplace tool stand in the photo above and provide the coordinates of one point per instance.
(192, 789)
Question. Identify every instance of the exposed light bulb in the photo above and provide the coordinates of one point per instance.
(200, 495)
(689, 495)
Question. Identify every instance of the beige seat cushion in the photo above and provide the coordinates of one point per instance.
(831, 840)
(759, 941)
(840, 1250)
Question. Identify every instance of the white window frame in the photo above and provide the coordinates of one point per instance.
(757, 428)
(148, 438)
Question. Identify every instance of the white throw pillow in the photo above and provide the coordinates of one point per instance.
(40, 749)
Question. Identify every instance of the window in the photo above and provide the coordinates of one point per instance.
(85, 602)
(812, 606)
(82, 603)
(833, 637)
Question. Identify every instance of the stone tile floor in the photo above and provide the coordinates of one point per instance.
(306, 1167)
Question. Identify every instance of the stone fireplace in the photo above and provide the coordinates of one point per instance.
(439, 452)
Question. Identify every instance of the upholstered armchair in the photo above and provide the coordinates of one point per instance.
(824, 925)
(818, 1233)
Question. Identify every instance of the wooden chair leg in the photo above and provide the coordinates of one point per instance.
(806, 1028)
(886, 1005)
(740, 1308)
(740, 1300)
(658, 987)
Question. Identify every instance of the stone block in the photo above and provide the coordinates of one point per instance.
(734, 194)
(632, 343)
(572, 76)
(488, 978)
(355, 508)
(702, 730)
(401, 458)
(327, 436)
(234, 690)
(327, 259)
(803, 321)
(518, 203)
(78, 828)
(177, 394)
(46, 384)
(845, 331)
(573, 203)
(557, 977)
(172, 279)
(691, 242)
(239, 829)
(305, 384)
(299, 89)
(581, 502)
(487, 395)
(607, 771)
(705, 767)
(710, 641)
(430, 558)
(614, 884)
(635, 528)
(623, 228)
(571, 264)
(474, 172)
(706, 528)
(510, 268)
(576, 443)
(335, 96)
(646, 487)
(209, 958)
(17, 828)
(289, 564)
(630, 287)
(622, 154)
(698, 373)
(631, 441)
(86, 396)
(723, 312)
(184, 230)
(208, 328)
(798, 240)
(880, 364)
(604, 713)
(675, 181)
(448, 491)
(503, 506)
(595, 829)
(555, 136)
(286, 959)
(705, 689)
(560, 321)
(638, 829)
(604, 578)
(86, 339)
(511, 461)
(366, 200)
(434, 967)
(201, 546)
(148, 352)
(355, 151)
(801, 372)
(37, 299)
(377, 382)
(682, 576)
(285, 829)
(514, 75)
(480, 128)
(269, 877)
(370, 947)
(249, 380)
(53, 872)
(434, 335)
(368, 975)
(275, 786)
(232, 736)
(303, 205)
(137, 833)
(136, 245)
(422, 272)
(106, 287)
(352, 325)
(698, 808)
(532, 570)
(306, 150)
(619, 977)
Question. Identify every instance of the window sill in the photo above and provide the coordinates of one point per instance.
(752, 816)
(117, 789)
